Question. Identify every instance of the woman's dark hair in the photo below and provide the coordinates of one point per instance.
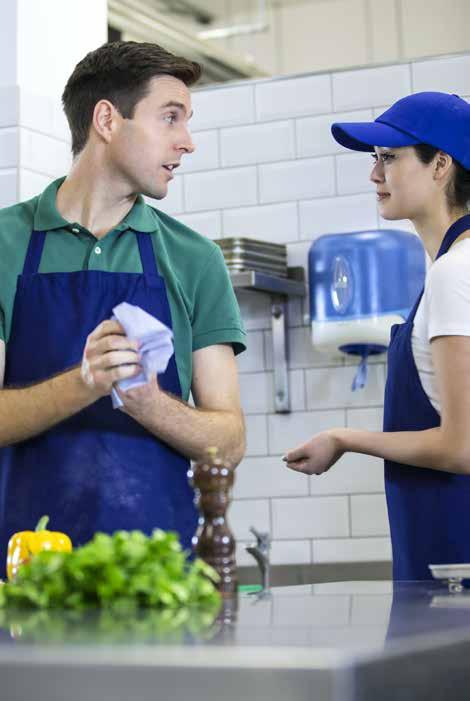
(458, 189)
(119, 72)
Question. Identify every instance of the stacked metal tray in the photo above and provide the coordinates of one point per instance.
(250, 254)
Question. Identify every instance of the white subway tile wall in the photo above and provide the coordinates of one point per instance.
(9, 106)
(8, 187)
(353, 173)
(206, 223)
(266, 167)
(205, 155)
(447, 74)
(260, 143)
(276, 223)
(297, 180)
(9, 155)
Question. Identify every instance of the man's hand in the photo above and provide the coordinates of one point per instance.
(109, 356)
(138, 402)
(216, 419)
(317, 455)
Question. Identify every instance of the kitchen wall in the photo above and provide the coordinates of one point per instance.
(266, 167)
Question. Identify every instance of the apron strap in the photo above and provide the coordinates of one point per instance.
(147, 255)
(457, 228)
(34, 252)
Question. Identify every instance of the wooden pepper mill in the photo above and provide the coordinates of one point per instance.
(214, 542)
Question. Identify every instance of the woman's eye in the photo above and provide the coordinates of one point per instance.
(384, 157)
(170, 118)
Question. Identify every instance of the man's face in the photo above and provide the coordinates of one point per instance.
(146, 149)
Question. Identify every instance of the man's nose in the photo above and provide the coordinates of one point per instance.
(187, 143)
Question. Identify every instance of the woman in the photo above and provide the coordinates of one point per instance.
(421, 172)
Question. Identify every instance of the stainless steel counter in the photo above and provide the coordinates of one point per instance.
(346, 641)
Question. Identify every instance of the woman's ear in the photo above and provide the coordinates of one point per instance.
(442, 165)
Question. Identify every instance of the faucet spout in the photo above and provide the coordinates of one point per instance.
(260, 551)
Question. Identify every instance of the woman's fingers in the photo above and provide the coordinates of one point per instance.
(295, 454)
(316, 456)
(298, 465)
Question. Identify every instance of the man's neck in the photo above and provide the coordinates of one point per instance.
(94, 199)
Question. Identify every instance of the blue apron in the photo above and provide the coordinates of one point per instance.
(100, 469)
(429, 511)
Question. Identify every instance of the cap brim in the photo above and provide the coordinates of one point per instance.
(363, 136)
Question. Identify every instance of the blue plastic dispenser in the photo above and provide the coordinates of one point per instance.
(361, 284)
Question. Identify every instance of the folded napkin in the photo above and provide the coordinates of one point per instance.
(156, 345)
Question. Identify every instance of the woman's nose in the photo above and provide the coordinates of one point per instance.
(377, 175)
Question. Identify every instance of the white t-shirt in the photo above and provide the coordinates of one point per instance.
(444, 310)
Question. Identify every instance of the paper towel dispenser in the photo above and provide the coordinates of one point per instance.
(362, 283)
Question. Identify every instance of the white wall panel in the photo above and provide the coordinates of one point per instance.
(297, 180)
(260, 143)
(219, 107)
(293, 97)
(217, 189)
(370, 87)
(274, 223)
(315, 517)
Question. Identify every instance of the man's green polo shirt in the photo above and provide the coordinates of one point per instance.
(203, 305)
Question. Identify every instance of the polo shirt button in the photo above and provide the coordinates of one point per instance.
(97, 250)
(75, 230)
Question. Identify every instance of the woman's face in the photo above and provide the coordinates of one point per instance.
(406, 188)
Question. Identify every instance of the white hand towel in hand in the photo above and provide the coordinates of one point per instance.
(156, 345)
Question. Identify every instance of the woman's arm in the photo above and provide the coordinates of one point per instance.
(445, 448)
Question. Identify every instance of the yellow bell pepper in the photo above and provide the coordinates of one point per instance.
(22, 546)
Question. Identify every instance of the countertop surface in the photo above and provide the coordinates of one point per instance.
(342, 618)
(335, 631)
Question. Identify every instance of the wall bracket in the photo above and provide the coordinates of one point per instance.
(280, 290)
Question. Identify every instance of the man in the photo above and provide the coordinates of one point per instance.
(67, 257)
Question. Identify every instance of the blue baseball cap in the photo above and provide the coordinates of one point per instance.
(435, 118)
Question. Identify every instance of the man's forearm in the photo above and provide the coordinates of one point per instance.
(191, 431)
(28, 411)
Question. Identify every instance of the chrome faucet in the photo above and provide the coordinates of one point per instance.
(260, 551)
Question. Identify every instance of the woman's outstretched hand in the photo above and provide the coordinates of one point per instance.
(316, 455)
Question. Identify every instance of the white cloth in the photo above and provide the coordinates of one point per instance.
(444, 310)
(156, 345)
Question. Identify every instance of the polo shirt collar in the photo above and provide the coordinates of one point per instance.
(47, 217)
(140, 218)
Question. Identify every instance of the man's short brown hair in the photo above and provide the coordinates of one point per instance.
(120, 72)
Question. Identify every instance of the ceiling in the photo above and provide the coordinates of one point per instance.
(176, 25)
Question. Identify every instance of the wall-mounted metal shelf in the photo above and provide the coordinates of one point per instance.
(280, 289)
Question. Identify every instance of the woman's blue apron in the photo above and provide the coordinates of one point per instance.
(429, 510)
(98, 470)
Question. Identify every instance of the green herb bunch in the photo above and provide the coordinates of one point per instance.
(125, 571)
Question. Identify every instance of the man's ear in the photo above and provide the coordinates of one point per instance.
(105, 118)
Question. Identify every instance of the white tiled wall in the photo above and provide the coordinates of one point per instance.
(267, 167)
(274, 136)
